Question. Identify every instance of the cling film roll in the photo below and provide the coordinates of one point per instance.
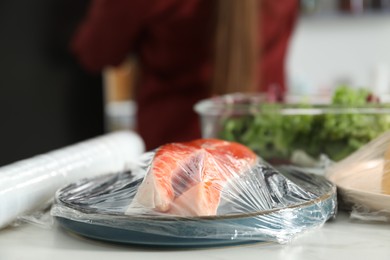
(26, 186)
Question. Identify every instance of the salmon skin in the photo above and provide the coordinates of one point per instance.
(187, 179)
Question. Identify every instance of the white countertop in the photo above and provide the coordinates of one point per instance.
(339, 239)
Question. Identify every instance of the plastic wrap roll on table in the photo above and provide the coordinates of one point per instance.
(25, 185)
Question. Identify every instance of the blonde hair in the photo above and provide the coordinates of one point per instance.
(236, 47)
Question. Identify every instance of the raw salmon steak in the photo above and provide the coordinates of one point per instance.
(187, 179)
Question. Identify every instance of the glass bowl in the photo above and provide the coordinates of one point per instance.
(289, 133)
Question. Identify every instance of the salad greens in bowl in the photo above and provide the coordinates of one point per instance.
(276, 131)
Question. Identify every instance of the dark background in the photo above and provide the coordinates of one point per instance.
(46, 100)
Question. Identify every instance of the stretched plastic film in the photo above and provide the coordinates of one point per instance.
(204, 189)
(363, 180)
(28, 185)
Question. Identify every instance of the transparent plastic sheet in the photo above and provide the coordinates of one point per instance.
(211, 190)
(363, 180)
(28, 186)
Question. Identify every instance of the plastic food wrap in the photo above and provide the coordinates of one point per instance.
(363, 180)
(197, 193)
(27, 185)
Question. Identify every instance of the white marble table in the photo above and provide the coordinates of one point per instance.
(338, 239)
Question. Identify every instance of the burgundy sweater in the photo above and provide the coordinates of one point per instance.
(173, 42)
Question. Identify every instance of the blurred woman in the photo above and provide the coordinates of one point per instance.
(187, 51)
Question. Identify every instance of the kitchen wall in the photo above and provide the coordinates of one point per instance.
(47, 100)
(330, 49)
